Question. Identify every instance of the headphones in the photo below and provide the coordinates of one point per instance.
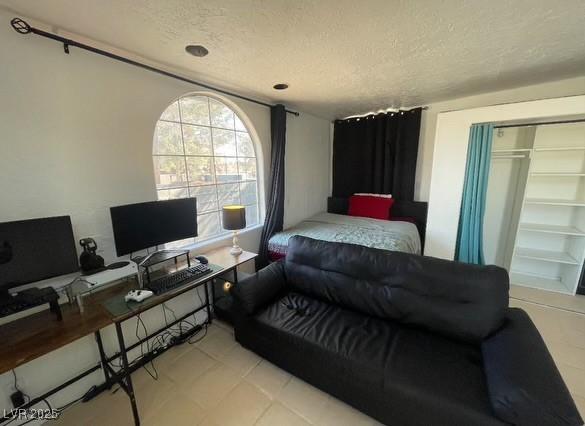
(89, 260)
(89, 245)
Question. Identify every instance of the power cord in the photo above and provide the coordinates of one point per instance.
(75, 401)
(46, 401)
(154, 374)
(18, 389)
(161, 340)
(203, 327)
(192, 342)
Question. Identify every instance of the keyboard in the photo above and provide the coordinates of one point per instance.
(12, 308)
(169, 282)
(27, 299)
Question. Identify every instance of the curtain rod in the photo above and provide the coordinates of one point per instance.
(544, 123)
(22, 27)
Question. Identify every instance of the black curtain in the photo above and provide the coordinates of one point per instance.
(376, 153)
(275, 203)
(581, 286)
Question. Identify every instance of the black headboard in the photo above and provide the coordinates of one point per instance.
(414, 209)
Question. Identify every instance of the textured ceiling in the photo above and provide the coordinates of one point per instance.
(340, 57)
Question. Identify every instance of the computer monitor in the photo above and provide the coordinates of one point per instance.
(34, 250)
(143, 225)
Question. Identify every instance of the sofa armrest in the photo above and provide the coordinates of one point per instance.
(259, 289)
(524, 385)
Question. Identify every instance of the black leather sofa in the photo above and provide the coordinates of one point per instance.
(408, 340)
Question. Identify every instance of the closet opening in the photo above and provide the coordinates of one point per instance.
(534, 224)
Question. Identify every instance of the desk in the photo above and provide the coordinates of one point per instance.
(31, 337)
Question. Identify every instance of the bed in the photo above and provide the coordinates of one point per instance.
(397, 235)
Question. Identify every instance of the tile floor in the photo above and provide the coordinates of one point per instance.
(548, 298)
(564, 334)
(217, 382)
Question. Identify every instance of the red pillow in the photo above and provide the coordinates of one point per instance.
(369, 206)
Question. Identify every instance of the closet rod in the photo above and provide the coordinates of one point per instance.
(22, 27)
(544, 123)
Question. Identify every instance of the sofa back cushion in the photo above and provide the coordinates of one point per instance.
(466, 302)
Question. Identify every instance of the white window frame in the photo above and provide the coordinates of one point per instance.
(260, 200)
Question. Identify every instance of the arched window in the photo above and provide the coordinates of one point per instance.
(202, 149)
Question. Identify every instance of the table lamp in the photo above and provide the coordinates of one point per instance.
(234, 218)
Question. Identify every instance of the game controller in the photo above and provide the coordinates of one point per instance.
(138, 295)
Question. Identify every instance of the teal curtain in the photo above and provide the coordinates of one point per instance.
(470, 234)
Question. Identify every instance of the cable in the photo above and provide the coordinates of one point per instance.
(165, 307)
(63, 289)
(48, 404)
(175, 317)
(164, 310)
(148, 348)
(199, 296)
(164, 338)
(161, 340)
(59, 410)
(75, 401)
(18, 389)
(192, 325)
(204, 328)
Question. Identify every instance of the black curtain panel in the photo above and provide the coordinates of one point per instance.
(275, 202)
(581, 286)
(376, 153)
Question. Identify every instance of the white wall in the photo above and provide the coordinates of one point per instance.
(307, 168)
(505, 193)
(76, 138)
(450, 157)
(77, 132)
(568, 87)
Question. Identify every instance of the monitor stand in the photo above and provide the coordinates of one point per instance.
(157, 257)
(160, 256)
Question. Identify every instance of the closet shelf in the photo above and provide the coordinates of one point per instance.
(546, 255)
(535, 281)
(552, 229)
(555, 202)
(560, 148)
(557, 174)
(500, 150)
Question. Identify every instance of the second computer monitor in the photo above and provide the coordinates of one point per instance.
(143, 225)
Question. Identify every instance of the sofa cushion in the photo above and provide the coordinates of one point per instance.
(399, 374)
(524, 385)
(439, 372)
(353, 342)
(259, 289)
(467, 302)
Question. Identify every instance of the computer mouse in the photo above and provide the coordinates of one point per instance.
(202, 259)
